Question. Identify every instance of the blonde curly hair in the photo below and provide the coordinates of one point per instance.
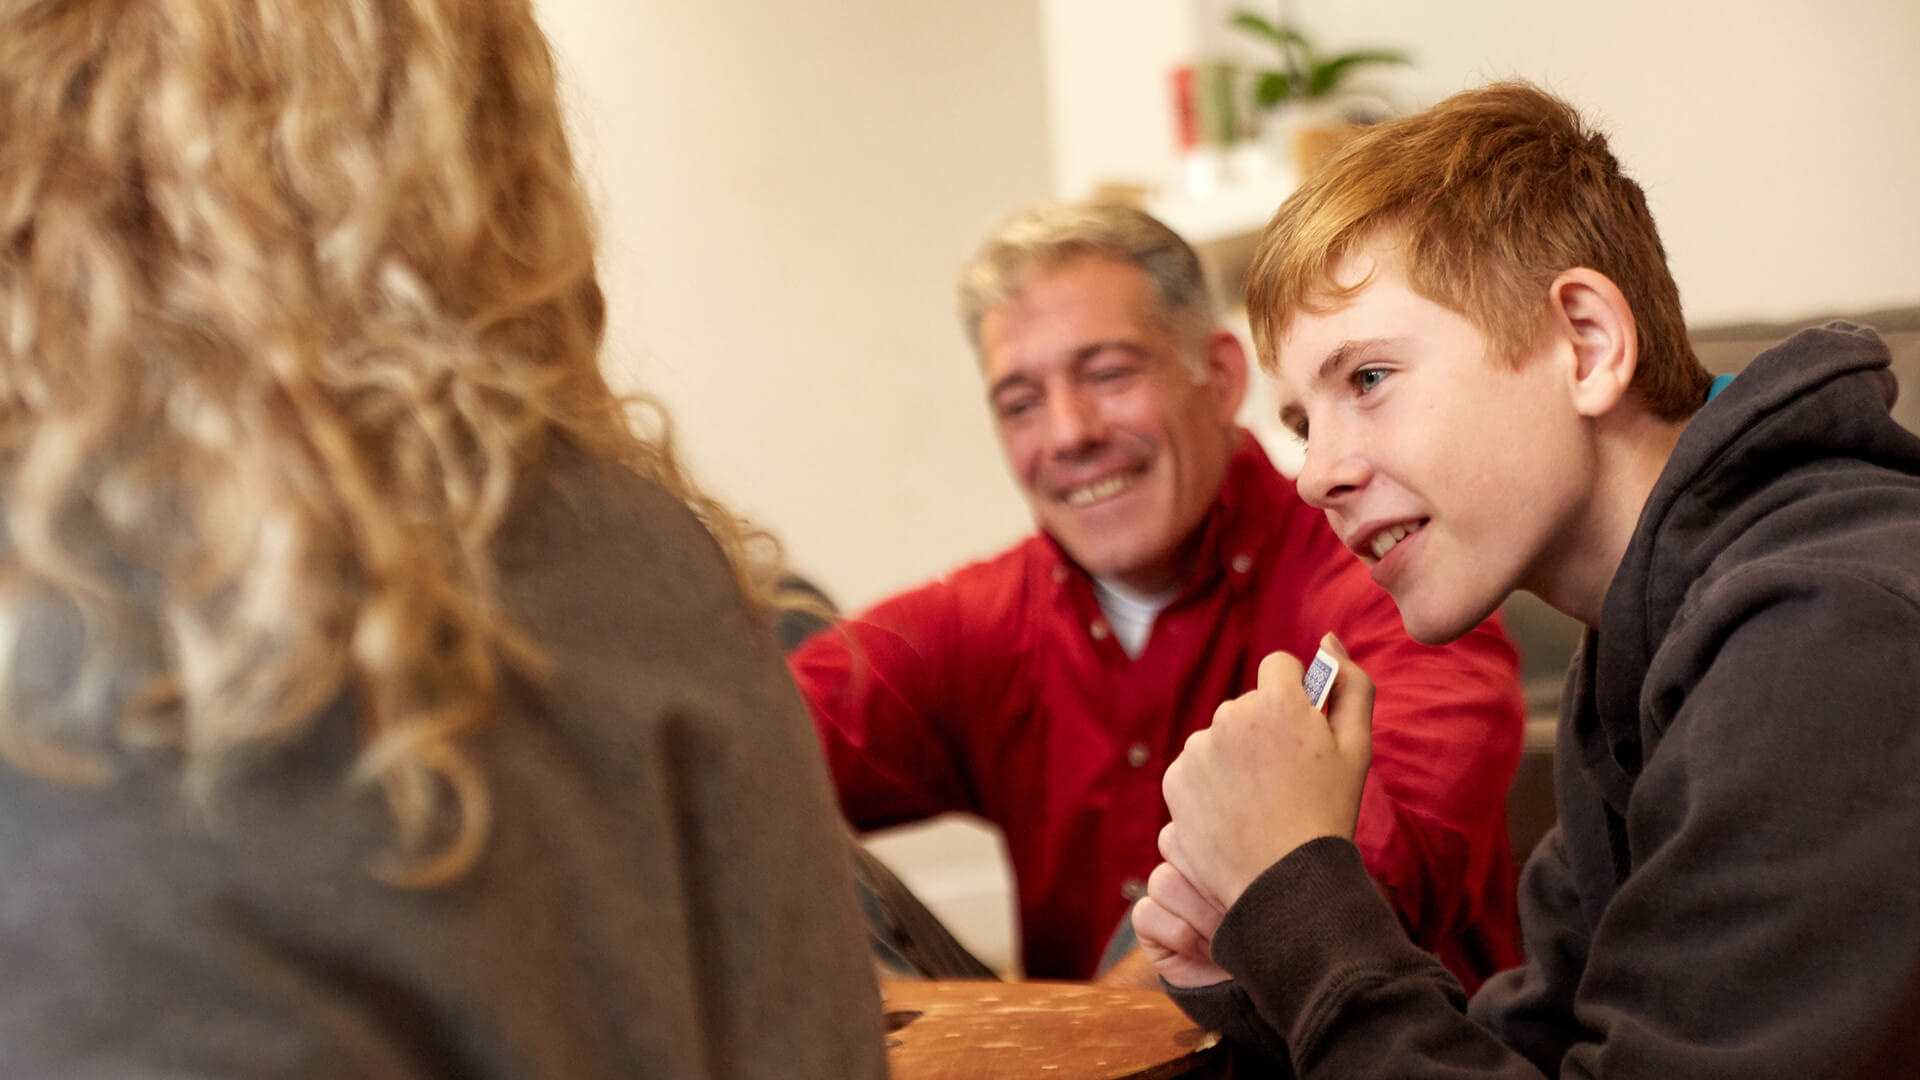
(291, 298)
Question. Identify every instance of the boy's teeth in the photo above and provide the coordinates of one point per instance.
(1098, 490)
(1384, 540)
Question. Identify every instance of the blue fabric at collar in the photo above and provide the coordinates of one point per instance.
(1720, 382)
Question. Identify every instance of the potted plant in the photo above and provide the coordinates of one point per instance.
(1310, 93)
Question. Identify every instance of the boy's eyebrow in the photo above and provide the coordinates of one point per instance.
(1347, 350)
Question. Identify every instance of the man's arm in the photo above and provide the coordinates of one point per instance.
(876, 686)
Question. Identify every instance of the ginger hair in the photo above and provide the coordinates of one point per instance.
(1487, 197)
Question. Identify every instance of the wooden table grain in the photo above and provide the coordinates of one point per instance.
(1050, 1030)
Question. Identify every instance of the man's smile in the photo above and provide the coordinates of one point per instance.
(1102, 489)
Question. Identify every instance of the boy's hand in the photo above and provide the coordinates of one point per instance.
(1268, 776)
(1175, 926)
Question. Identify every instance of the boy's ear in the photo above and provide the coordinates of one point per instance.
(1592, 316)
(1227, 370)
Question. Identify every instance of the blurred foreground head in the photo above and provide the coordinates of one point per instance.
(291, 295)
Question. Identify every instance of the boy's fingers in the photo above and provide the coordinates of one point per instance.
(1162, 931)
(1279, 669)
(1350, 708)
(1170, 851)
(1171, 890)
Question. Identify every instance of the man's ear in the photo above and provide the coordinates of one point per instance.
(1226, 364)
(1592, 317)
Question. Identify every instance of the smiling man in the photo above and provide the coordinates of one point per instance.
(1046, 689)
(1474, 327)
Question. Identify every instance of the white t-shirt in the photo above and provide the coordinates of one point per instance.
(1130, 613)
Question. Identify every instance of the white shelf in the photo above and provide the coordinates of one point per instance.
(1237, 208)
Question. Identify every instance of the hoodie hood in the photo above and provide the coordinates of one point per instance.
(1823, 394)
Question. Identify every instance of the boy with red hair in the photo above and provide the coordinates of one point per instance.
(1471, 317)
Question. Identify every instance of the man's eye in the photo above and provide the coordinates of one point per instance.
(1111, 374)
(1014, 408)
(1367, 379)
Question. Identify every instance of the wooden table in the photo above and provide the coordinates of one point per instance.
(1059, 1031)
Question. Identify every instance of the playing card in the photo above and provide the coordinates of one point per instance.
(1320, 675)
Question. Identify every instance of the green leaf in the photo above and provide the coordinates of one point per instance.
(1273, 88)
(1331, 72)
(1259, 26)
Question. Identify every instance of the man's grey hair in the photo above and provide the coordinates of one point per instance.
(1052, 234)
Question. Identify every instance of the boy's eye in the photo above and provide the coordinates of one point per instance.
(1366, 379)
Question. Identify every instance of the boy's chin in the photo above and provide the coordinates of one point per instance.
(1431, 623)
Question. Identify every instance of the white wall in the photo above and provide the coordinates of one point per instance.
(786, 191)
(1779, 143)
(1110, 88)
(1110, 67)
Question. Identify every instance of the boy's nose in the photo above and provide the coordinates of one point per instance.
(1332, 472)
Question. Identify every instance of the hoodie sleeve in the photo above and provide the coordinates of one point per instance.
(1767, 928)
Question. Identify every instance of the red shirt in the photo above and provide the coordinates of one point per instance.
(1001, 691)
